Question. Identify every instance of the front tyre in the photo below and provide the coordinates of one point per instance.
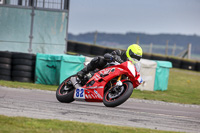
(117, 95)
(65, 91)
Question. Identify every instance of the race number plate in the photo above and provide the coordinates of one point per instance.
(79, 93)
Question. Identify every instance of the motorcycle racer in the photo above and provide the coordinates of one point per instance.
(133, 54)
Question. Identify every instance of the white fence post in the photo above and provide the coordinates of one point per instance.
(174, 49)
(150, 48)
(166, 49)
(189, 50)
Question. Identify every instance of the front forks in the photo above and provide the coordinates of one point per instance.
(119, 82)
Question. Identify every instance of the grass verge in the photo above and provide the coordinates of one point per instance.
(15, 84)
(30, 125)
(183, 87)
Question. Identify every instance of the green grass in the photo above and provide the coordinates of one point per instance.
(183, 87)
(30, 125)
(16, 84)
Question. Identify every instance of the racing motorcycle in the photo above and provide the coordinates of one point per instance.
(112, 85)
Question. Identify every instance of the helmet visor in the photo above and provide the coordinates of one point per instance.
(134, 56)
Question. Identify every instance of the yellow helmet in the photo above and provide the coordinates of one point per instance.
(134, 52)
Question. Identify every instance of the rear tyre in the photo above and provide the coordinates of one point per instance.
(65, 91)
(115, 98)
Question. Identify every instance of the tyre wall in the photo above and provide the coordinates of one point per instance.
(23, 67)
(96, 50)
(5, 65)
(17, 66)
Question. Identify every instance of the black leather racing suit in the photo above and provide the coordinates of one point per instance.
(99, 62)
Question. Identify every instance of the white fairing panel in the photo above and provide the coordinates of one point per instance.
(131, 68)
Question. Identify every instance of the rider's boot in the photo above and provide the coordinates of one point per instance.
(82, 73)
(97, 62)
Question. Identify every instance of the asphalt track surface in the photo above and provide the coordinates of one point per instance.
(133, 113)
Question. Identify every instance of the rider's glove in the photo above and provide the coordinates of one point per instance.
(109, 57)
(118, 59)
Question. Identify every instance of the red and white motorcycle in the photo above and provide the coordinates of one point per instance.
(112, 85)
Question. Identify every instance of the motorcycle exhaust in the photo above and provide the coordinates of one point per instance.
(75, 82)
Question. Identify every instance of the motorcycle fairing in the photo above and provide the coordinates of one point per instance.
(93, 91)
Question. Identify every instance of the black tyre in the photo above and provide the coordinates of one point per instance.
(71, 46)
(198, 66)
(22, 62)
(176, 63)
(83, 48)
(23, 68)
(5, 66)
(22, 79)
(146, 56)
(188, 65)
(115, 98)
(22, 74)
(65, 91)
(5, 54)
(5, 60)
(5, 72)
(155, 57)
(5, 77)
(109, 50)
(95, 50)
(22, 56)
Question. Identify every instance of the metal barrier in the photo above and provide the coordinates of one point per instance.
(34, 26)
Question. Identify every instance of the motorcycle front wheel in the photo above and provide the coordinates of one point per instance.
(117, 95)
(65, 91)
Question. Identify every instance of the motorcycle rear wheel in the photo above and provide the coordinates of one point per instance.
(112, 101)
(65, 92)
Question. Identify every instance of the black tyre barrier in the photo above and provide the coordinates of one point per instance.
(23, 68)
(22, 56)
(83, 49)
(71, 46)
(5, 66)
(197, 66)
(22, 62)
(34, 57)
(22, 79)
(176, 63)
(5, 54)
(155, 57)
(5, 72)
(109, 50)
(188, 65)
(5, 60)
(2, 77)
(146, 56)
(95, 50)
(22, 74)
